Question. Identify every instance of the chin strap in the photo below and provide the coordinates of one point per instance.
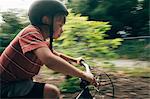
(51, 34)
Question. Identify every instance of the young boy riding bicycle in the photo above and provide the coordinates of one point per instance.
(29, 50)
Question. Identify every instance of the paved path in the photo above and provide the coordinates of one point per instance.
(125, 63)
(130, 63)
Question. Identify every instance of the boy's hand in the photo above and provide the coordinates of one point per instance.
(90, 78)
(78, 60)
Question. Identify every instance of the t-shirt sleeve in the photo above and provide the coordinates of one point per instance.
(31, 41)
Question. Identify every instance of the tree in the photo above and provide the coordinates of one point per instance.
(128, 15)
(12, 21)
(86, 38)
(142, 25)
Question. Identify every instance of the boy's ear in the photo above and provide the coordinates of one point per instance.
(46, 20)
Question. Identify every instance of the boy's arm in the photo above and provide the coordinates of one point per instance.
(59, 65)
(66, 57)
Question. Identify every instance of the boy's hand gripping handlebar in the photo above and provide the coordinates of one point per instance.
(85, 83)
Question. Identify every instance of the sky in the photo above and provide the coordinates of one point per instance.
(7, 4)
(10, 4)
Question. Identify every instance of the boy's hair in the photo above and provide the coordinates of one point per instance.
(42, 8)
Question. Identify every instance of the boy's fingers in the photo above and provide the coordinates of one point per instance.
(94, 82)
(79, 60)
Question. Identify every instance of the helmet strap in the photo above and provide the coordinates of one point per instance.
(51, 34)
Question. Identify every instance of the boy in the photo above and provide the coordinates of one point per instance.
(29, 50)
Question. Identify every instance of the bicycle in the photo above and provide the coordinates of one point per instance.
(104, 90)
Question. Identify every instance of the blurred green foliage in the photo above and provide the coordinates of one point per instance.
(135, 49)
(13, 21)
(5, 39)
(132, 16)
(86, 38)
(70, 85)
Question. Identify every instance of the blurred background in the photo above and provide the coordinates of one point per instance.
(109, 34)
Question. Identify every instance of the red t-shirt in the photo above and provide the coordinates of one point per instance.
(18, 61)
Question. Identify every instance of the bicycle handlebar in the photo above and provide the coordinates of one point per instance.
(87, 67)
(84, 84)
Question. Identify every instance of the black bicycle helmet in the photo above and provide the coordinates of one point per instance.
(42, 8)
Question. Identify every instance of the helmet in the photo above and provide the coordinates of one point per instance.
(41, 8)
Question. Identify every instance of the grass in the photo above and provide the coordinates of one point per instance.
(70, 85)
(138, 72)
(135, 49)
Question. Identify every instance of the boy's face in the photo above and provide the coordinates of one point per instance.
(58, 26)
